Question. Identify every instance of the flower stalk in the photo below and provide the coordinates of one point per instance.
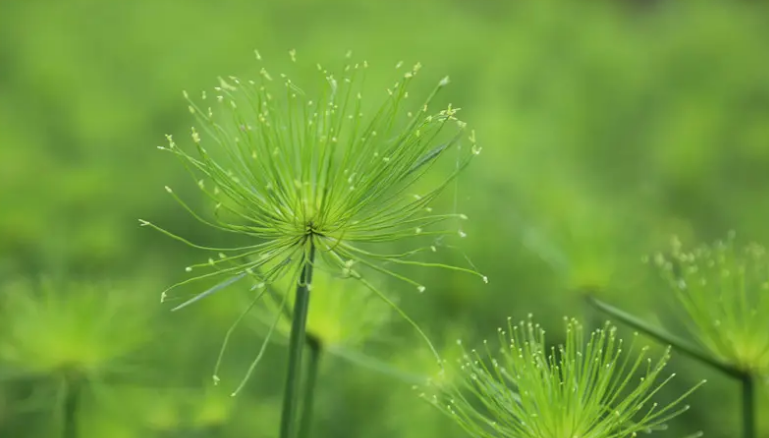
(296, 345)
(71, 404)
(372, 363)
(664, 337)
(748, 407)
(315, 347)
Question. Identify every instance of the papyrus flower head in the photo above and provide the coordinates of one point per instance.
(318, 176)
(723, 290)
(588, 387)
(69, 327)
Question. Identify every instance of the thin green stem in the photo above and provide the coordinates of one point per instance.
(748, 407)
(377, 365)
(71, 405)
(311, 377)
(591, 314)
(666, 338)
(296, 346)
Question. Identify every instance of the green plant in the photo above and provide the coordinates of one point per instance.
(585, 388)
(345, 316)
(721, 291)
(72, 333)
(319, 181)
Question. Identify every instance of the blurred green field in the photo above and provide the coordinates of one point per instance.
(606, 127)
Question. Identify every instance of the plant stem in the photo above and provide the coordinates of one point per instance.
(377, 365)
(592, 317)
(70, 407)
(316, 348)
(664, 337)
(748, 407)
(296, 345)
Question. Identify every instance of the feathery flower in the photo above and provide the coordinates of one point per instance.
(723, 290)
(319, 178)
(586, 388)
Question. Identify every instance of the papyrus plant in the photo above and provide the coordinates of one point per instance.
(348, 316)
(588, 387)
(72, 335)
(722, 296)
(317, 178)
(723, 292)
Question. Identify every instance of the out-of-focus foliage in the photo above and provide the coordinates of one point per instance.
(723, 296)
(344, 313)
(70, 328)
(606, 126)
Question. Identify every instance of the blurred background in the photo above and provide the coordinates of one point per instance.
(606, 127)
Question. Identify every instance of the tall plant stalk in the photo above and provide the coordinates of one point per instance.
(591, 315)
(748, 407)
(311, 377)
(665, 337)
(71, 405)
(296, 346)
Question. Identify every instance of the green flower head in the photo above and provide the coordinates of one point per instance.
(723, 290)
(319, 177)
(69, 327)
(586, 388)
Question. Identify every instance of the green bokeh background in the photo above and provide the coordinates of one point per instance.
(606, 127)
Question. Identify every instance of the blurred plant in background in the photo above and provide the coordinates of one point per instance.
(79, 328)
(345, 316)
(71, 335)
(723, 294)
(722, 299)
